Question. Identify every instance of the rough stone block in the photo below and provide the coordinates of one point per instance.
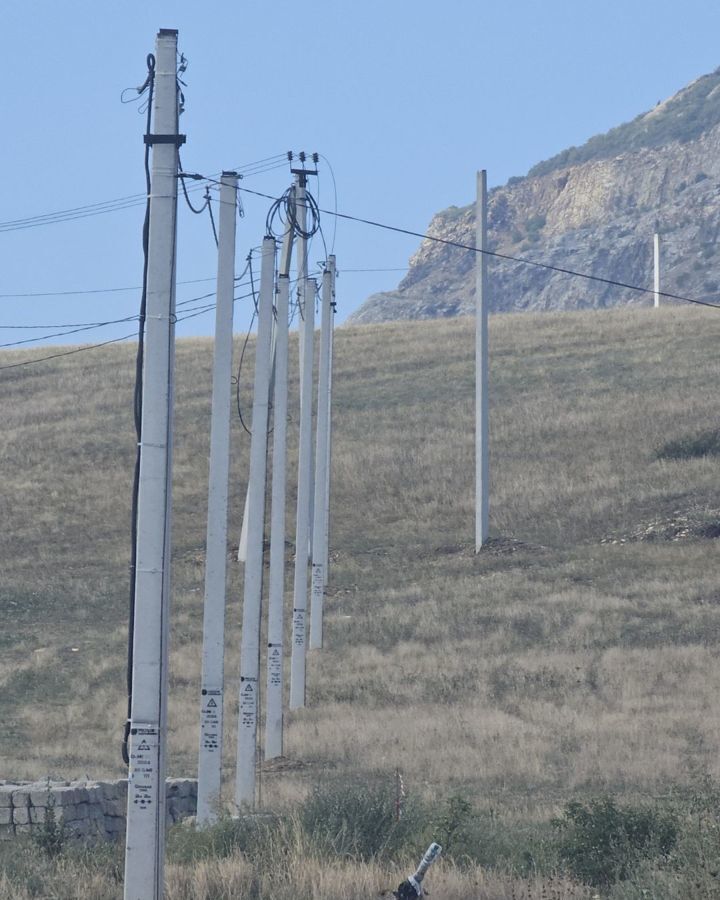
(115, 807)
(65, 795)
(7, 832)
(21, 815)
(37, 814)
(5, 815)
(6, 792)
(20, 799)
(66, 813)
(115, 825)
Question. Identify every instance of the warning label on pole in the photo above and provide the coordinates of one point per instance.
(318, 582)
(248, 705)
(211, 719)
(299, 627)
(275, 665)
(144, 763)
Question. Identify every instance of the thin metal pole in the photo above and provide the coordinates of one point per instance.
(656, 269)
(302, 527)
(319, 532)
(213, 655)
(145, 836)
(252, 602)
(482, 430)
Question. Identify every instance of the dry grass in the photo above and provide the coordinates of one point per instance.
(541, 668)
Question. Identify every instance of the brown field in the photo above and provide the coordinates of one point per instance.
(577, 654)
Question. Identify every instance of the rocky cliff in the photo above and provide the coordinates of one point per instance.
(593, 209)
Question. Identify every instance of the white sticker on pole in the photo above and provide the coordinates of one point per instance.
(275, 664)
(211, 710)
(144, 766)
(299, 627)
(248, 706)
(318, 582)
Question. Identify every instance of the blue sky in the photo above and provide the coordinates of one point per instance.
(405, 99)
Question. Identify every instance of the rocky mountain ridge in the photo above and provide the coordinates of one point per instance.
(595, 216)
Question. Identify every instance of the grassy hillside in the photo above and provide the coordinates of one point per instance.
(577, 654)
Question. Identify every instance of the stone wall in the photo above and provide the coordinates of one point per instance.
(90, 811)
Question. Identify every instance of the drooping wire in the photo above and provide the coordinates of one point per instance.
(182, 176)
(335, 200)
(208, 204)
(137, 409)
(494, 253)
(245, 343)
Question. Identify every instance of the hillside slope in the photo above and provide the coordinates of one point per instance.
(591, 209)
(578, 652)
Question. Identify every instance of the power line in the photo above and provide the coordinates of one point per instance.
(86, 347)
(517, 259)
(248, 170)
(113, 290)
(29, 362)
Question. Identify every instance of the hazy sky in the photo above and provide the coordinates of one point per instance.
(406, 99)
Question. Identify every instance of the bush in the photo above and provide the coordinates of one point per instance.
(707, 443)
(50, 836)
(601, 842)
(357, 819)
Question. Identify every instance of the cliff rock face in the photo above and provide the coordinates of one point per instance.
(596, 215)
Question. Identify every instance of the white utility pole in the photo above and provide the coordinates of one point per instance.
(213, 676)
(320, 508)
(482, 427)
(302, 526)
(252, 602)
(656, 268)
(326, 542)
(302, 260)
(145, 836)
(276, 591)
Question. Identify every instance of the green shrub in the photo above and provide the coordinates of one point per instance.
(707, 443)
(227, 836)
(357, 819)
(50, 835)
(602, 843)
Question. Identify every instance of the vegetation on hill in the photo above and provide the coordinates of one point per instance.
(683, 117)
(563, 683)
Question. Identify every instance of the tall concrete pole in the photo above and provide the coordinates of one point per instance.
(326, 543)
(302, 526)
(145, 836)
(319, 532)
(302, 263)
(656, 269)
(482, 429)
(213, 676)
(252, 597)
(276, 595)
(276, 591)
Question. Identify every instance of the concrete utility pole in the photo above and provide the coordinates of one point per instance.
(482, 427)
(145, 837)
(302, 259)
(302, 527)
(656, 268)
(326, 542)
(276, 593)
(320, 508)
(252, 602)
(213, 676)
